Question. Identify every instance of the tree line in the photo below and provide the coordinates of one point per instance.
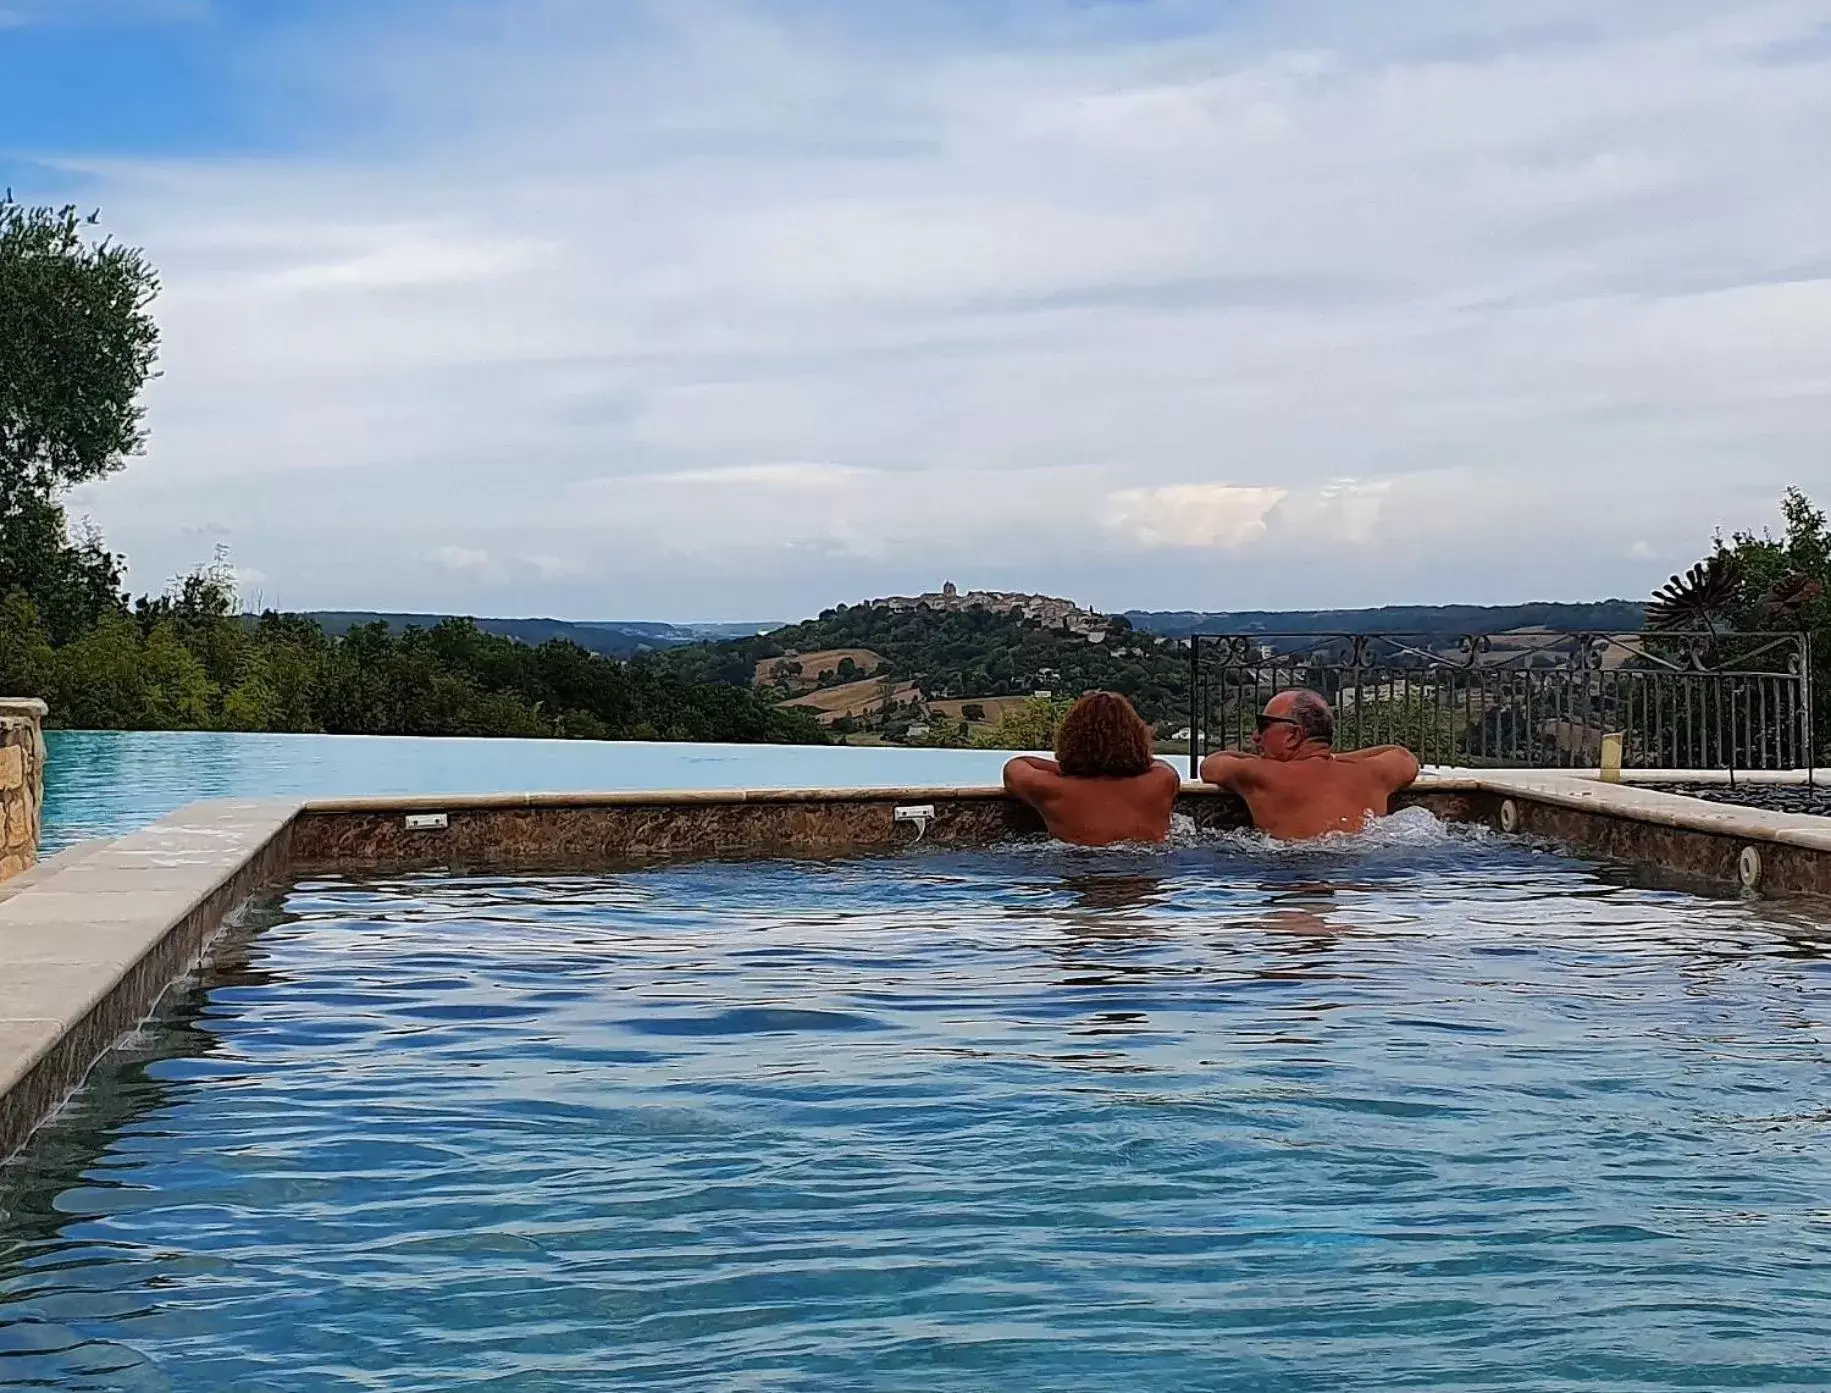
(188, 660)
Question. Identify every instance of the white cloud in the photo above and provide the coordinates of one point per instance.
(400, 257)
(1194, 515)
(1344, 510)
(749, 312)
(783, 476)
(555, 567)
(469, 561)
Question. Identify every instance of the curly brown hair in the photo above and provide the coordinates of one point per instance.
(1101, 737)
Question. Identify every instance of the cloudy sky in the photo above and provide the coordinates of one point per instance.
(600, 308)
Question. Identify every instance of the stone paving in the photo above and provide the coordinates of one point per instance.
(1773, 797)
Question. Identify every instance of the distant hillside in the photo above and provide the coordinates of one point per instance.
(957, 654)
(1601, 616)
(891, 664)
(613, 638)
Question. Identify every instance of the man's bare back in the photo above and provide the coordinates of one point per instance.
(1299, 787)
(1293, 800)
(1094, 811)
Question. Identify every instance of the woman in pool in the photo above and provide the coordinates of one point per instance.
(1104, 784)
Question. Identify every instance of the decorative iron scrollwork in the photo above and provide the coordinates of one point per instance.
(1472, 646)
(1587, 652)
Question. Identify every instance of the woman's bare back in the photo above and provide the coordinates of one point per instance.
(1097, 812)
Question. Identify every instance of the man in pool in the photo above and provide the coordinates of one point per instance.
(1104, 784)
(1297, 786)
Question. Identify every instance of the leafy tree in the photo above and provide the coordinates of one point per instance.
(178, 692)
(26, 655)
(1029, 725)
(72, 582)
(1759, 582)
(100, 681)
(77, 341)
(943, 734)
(76, 345)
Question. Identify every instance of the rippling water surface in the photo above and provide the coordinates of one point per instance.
(1431, 1111)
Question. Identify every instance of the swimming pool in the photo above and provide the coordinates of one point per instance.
(1429, 1110)
(101, 783)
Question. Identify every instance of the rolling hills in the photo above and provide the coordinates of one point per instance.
(881, 667)
(611, 638)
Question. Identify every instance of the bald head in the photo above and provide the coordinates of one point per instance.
(1309, 714)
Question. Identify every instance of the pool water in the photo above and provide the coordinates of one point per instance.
(101, 783)
(1428, 1110)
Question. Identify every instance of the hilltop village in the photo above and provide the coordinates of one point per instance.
(1051, 611)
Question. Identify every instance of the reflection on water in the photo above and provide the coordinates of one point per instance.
(1439, 1111)
(1305, 909)
(1104, 901)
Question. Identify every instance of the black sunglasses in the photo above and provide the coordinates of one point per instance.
(1265, 723)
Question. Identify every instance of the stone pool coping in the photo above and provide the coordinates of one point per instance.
(92, 938)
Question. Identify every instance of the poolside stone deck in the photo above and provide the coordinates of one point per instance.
(92, 938)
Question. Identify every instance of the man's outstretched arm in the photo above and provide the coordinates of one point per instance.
(1230, 769)
(1371, 752)
(1398, 764)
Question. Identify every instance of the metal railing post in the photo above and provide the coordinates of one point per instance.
(1807, 714)
(1195, 731)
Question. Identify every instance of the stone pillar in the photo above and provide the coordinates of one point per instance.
(22, 782)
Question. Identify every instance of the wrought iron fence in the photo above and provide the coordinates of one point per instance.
(1535, 699)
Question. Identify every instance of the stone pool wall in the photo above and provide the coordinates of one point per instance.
(589, 831)
(597, 831)
(22, 782)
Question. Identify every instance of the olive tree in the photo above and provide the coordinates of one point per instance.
(77, 343)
